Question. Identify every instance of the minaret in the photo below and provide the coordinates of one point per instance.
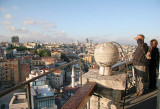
(73, 76)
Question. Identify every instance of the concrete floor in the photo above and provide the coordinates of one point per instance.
(145, 101)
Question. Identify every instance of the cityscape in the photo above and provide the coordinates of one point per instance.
(61, 54)
(23, 61)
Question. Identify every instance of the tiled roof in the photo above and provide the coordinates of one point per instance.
(57, 71)
(49, 60)
(54, 51)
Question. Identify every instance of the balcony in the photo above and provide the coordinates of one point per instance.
(91, 89)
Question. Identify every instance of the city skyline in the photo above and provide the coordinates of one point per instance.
(67, 21)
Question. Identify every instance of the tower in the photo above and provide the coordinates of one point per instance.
(73, 77)
(15, 39)
(87, 40)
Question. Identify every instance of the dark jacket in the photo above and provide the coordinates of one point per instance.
(139, 55)
(154, 57)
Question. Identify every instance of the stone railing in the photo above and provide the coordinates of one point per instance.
(109, 81)
(98, 91)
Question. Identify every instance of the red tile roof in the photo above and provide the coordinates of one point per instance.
(55, 51)
(49, 60)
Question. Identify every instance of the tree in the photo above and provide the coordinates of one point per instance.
(45, 54)
(64, 57)
(22, 48)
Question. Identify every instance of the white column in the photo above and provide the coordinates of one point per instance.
(73, 76)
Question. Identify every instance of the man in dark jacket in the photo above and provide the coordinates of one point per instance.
(140, 64)
(153, 63)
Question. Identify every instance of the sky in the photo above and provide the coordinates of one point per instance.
(70, 20)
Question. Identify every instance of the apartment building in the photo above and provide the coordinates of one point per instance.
(14, 70)
(56, 78)
(56, 54)
(9, 71)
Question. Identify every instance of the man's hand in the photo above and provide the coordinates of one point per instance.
(135, 38)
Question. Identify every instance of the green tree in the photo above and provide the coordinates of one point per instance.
(64, 57)
(45, 54)
(22, 48)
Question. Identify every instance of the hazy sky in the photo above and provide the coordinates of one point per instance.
(69, 20)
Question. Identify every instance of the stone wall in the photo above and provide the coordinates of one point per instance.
(108, 90)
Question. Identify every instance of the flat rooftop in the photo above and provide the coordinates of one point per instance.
(43, 91)
(18, 101)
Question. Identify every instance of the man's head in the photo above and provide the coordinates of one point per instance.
(153, 43)
(140, 36)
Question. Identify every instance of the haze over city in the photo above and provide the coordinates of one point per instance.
(70, 20)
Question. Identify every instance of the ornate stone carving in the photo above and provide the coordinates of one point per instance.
(106, 54)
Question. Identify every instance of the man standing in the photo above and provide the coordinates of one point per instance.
(153, 63)
(140, 64)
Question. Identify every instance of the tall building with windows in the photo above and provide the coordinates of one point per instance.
(9, 71)
(13, 71)
(87, 41)
(2, 52)
(15, 39)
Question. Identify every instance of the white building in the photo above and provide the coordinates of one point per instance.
(30, 45)
(42, 97)
(35, 73)
(56, 78)
(18, 101)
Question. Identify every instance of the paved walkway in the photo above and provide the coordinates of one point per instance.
(146, 101)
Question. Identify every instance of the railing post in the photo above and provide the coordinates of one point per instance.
(29, 96)
(88, 105)
(158, 82)
(80, 73)
(85, 107)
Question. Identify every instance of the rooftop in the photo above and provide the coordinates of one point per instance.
(19, 100)
(43, 91)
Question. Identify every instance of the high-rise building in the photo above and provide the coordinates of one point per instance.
(87, 41)
(15, 39)
(2, 52)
